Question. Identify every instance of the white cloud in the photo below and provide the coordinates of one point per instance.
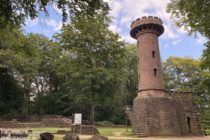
(201, 40)
(128, 39)
(113, 27)
(52, 23)
(165, 46)
(58, 27)
(181, 30)
(116, 7)
(169, 32)
(33, 22)
(59, 11)
(176, 41)
(125, 11)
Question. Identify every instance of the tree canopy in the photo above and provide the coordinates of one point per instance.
(193, 15)
(15, 12)
(186, 74)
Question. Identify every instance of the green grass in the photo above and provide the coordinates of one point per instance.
(106, 131)
(208, 131)
(109, 131)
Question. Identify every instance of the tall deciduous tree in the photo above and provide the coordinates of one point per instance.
(131, 81)
(194, 17)
(96, 54)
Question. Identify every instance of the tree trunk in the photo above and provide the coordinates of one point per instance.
(92, 110)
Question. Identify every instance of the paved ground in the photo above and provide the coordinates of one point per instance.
(152, 138)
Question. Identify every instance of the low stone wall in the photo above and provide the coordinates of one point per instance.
(38, 121)
(10, 124)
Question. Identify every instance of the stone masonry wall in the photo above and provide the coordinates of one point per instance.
(168, 114)
(155, 116)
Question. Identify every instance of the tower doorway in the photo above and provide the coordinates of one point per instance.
(189, 124)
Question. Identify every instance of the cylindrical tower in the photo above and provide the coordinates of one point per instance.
(155, 111)
(146, 31)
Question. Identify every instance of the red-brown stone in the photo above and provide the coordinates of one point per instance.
(157, 112)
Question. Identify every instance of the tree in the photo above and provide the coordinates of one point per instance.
(95, 54)
(20, 57)
(193, 15)
(186, 74)
(131, 85)
(182, 74)
(15, 12)
(11, 95)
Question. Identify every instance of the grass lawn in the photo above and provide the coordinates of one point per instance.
(208, 131)
(109, 131)
(106, 131)
(112, 133)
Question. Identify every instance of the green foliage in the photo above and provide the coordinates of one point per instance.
(131, 73)
(186, 74)
(96, 57)
(193, 15)
(15, 12)
(11, 95)
(182, 74)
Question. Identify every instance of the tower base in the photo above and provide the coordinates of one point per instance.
(158, 113)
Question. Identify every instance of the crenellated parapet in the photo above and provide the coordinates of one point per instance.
(145, 25)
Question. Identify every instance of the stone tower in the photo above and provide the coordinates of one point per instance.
(146, 31)
(157, 112)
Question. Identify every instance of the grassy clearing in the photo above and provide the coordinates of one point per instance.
(107, 131)
(208, 131)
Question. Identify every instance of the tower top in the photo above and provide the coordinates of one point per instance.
(145, 25)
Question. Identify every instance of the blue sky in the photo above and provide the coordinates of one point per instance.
(174, 41)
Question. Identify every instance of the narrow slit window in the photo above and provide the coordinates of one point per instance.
(153, 54)
(155, 72)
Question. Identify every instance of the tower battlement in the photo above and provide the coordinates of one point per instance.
(146, 24)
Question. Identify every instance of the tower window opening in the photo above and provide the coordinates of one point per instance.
(153, 54)
(189, 124)
(155, 72)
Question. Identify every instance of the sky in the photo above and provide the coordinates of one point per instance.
(173, 42)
